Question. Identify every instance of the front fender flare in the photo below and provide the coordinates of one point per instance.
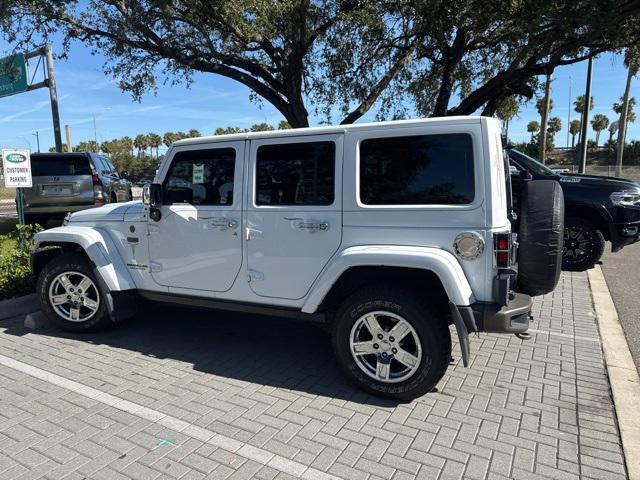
(439, 261)
(99, 247)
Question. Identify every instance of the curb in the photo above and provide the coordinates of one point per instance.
(18, 306)
(623, 376)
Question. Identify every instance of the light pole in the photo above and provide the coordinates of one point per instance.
(95, 129)
(37, 135)
(569, 113)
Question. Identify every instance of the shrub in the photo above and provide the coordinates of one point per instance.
(15, 272)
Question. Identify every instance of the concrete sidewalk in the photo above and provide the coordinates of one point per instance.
(191, 394)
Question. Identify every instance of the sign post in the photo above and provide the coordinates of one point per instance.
(17, 174)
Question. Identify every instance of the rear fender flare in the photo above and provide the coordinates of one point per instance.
(439, 261)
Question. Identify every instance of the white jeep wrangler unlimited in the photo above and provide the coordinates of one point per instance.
(386, 232)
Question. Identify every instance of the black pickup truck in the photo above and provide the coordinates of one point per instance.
(597, 209)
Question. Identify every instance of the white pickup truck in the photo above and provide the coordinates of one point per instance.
(387, 233)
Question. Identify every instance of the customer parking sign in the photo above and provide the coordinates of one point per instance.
(16, 168)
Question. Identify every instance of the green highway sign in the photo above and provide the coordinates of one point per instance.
(13, 75)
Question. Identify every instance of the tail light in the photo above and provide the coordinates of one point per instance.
(98, 190)
(502, 243)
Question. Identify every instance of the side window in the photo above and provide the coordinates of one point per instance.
(110, 166)
(201, 177)
(295, 174)
(101, 167)
(417, 170)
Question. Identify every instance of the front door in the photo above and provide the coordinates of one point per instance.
(197, 243)
(294, 212)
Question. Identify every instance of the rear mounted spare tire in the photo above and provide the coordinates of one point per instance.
(540, 237)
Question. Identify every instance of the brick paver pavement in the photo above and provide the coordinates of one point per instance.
(216, 395)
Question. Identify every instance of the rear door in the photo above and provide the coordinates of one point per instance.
(294, 212)
(60, 179)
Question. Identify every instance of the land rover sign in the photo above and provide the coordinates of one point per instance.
(17, 168)
(13, 75)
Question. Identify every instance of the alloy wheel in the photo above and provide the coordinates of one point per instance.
(74, 296)
(385, 346)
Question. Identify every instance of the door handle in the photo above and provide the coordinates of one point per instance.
(223, 223)
(309, 226)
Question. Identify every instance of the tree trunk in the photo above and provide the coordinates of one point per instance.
(622, 124)
(573, 140)
(542, 154)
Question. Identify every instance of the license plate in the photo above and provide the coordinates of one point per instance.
(58, 190)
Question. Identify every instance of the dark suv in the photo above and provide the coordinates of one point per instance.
(597, 209)
(68, 182)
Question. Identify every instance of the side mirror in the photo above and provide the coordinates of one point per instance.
(152, 194)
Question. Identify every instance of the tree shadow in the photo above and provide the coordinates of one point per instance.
(265, 350)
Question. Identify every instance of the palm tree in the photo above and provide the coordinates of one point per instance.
(507, 109)
(533, 127)
(227, 130)
(168, 138)
(194, 133)
(284, 125)
(579, 105)
(574, 129)
(554, 126)
(154, 140)
(632, 62)
(127, 143)
(631, 113)
(599, 122)
(141, 143)
(260, 127)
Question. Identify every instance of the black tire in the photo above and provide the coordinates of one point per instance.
(583, 244)
(72, 262)
(433, 335)
(540, 237)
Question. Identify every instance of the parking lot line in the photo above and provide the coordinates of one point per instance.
(259, 455)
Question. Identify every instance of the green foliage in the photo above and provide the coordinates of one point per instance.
(599, 122)
(554, 126)
(540, 105)
(579, 104)
(631, 114)
(508, 108)
(334, 57)
(15, 272)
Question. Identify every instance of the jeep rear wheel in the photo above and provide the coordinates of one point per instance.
(70, 295)
(583, 244)
(391, 343)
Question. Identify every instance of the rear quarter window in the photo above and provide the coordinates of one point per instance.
(417, 170)
(54, 166)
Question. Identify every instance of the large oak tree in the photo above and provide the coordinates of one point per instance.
(337, 57)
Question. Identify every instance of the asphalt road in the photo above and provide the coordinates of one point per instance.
(622, 272)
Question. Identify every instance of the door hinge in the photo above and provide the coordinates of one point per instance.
(155, 266)
(255, 276)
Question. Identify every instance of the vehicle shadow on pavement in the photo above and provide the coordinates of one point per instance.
(265, 350)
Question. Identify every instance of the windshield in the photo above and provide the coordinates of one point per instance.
(530, 163)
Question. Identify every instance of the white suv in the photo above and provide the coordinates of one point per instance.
(386, 232)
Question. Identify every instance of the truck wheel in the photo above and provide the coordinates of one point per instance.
(583, 244)
(391, 343)
(70, 296)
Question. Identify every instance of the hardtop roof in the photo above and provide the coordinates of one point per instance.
(297, 132)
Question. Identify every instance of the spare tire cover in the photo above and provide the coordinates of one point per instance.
(541, 236)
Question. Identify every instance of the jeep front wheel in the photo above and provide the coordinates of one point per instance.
(391, 343)
(70, 295)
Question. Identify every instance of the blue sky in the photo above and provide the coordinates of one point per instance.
(212, 101)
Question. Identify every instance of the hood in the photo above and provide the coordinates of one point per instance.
(113, 212)
(613, 183)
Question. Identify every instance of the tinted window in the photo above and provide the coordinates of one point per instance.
(201, 177)
(296, 174)
(417, 170)
(58, 166)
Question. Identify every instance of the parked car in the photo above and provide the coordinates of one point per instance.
(385, 233)
(598, 209)
(69, 182)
